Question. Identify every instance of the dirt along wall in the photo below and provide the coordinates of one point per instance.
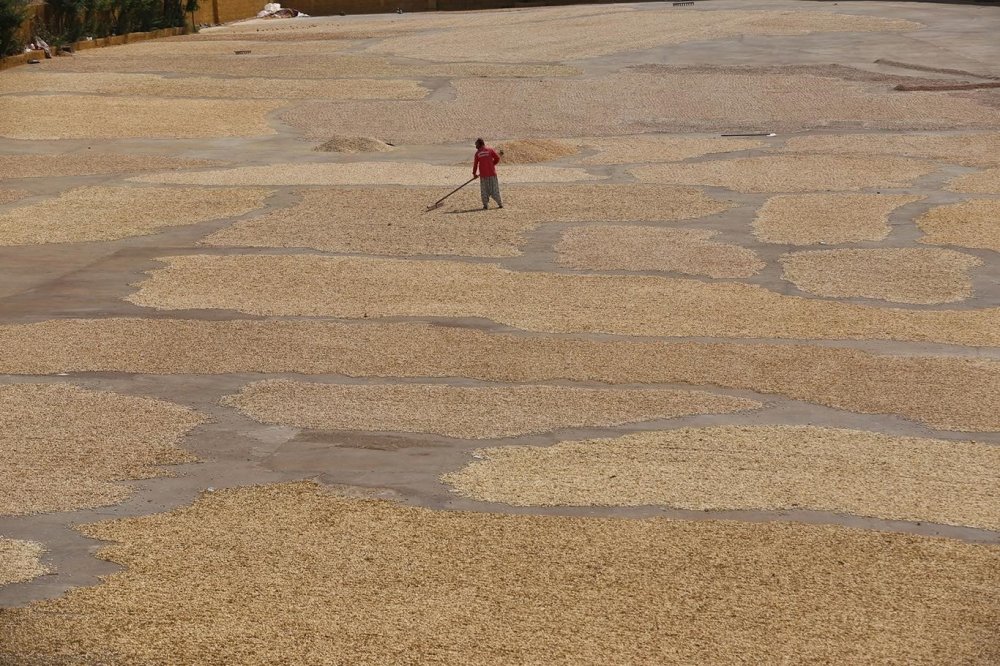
(224, 11)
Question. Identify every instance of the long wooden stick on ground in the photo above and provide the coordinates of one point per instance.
(438, 202)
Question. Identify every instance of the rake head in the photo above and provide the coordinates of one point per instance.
(437, 204)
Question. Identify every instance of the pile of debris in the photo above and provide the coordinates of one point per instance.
(275, 10)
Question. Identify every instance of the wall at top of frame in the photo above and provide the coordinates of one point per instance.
(224, 11)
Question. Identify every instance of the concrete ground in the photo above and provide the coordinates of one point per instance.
(90, 280)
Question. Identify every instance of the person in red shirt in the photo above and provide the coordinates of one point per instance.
(484, 167)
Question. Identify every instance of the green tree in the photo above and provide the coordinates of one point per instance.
(192, 6)
(12, 16)
(135, 15)
(173, 14)
(99, 17)
(65, 20)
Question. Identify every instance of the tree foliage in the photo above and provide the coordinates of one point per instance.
(71, 20)
(12, 17)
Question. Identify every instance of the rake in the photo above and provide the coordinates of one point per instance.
(437, 204)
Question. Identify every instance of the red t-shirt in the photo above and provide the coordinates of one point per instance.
(485, 162)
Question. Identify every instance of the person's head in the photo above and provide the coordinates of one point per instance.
(480, 143)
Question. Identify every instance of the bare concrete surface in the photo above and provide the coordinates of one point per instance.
(92, 280)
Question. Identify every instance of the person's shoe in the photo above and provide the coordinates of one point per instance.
(500, 206)
(485, 206)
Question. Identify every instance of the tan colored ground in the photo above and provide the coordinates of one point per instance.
(92, 162)
(277, 35)
(750, 467)
(944, 392)
(810, 219)
(315, 33)
(986, 181)
(100, 61)
(394, 221)
(109, 213)
(459, 70)
(611, 203)
(361, 173)
(533, 151)
(373, 582)
(633, 102)
(64, 447)
(353, 287)
(74, 117)
(321, 66)
(973, 223)
(375, 26)
(10, 196)
(897, 274)
(197, 47)
(20, 561)
(292, 574)
(790, 173)
(383, 221)
(621, 31)
(148, 85)
(970, 149)
(690, 251)
(661, 148)
(468, 412)
(354, 144)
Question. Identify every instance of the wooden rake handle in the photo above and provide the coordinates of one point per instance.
(438, 202)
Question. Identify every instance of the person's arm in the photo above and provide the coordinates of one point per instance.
(475, 166)
(496, 158)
